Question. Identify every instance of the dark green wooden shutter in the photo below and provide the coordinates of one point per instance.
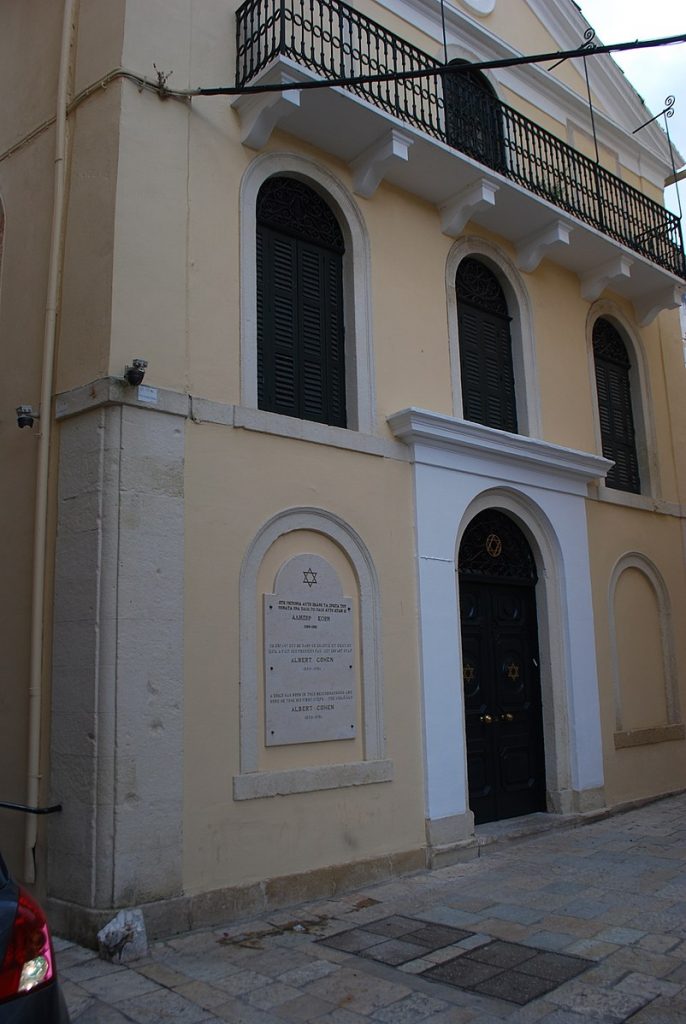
(613, 386)
(277, 322)
(488, 392)
(300, 328)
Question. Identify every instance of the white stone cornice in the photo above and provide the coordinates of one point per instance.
(531, 250)
(457, 211)
(446, 434)
(369, 167)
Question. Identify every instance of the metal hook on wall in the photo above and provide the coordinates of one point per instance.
(589, 36)
(666, 112)
(588, 45)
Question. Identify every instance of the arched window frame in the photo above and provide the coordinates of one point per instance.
(644, 427)
(359, 366)
(521, 330)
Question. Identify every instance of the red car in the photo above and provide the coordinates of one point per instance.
(29, 990)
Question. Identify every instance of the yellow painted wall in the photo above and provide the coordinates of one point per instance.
(228, 841)
(613, 533)
(642, 697)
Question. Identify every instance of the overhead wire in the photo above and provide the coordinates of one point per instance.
(429, 72)
(160, 87)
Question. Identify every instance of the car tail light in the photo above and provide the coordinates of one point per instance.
(29, 959)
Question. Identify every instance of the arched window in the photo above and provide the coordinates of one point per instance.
(300, 329)
(488, 387)
(473, 122)
(613, 386)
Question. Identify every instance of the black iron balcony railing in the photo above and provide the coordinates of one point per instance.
(335, 41)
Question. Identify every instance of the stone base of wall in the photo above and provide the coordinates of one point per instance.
(226, 906)
(235, 903)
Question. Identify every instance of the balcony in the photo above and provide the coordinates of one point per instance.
(471, 155)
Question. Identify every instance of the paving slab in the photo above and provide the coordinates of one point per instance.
(585, 925)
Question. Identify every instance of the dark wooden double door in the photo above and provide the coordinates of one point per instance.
(502, 695)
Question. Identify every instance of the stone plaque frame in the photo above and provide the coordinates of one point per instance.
(310, 677)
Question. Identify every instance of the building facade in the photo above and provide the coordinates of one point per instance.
(388, 541)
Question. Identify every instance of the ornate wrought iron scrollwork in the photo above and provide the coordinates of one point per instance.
(478, 286)
(608, 344)
(291, 206)
(509, 559)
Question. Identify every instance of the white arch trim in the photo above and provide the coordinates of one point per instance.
(521, 329)
(254, 783)
(360, 383)
(674, 728)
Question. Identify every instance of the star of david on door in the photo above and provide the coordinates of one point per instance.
(494, 545)
(512, 671)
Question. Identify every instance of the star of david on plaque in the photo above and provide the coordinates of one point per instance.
(468, 673)
(513, 672)
(494, 545)
(309, 577)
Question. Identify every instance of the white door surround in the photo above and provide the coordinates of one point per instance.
(461, 468)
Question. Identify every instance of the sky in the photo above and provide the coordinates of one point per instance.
(654, 73)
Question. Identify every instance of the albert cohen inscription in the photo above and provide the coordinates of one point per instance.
(308, 655)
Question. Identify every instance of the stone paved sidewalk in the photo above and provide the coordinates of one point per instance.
(587, 924)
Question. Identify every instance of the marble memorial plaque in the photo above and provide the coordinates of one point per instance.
(308, 655)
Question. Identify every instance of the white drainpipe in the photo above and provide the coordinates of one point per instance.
(41, 508)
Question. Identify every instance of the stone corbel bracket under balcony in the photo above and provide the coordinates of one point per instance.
(378, 146)
(369, 168)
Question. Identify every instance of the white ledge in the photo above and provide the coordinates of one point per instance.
(420, 427)
(644, 502)
(317, 433)
(253, 785)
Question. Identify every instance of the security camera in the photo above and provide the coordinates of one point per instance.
(25, 416)
(135, 373)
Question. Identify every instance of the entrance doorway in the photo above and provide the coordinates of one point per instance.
(502, 690)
